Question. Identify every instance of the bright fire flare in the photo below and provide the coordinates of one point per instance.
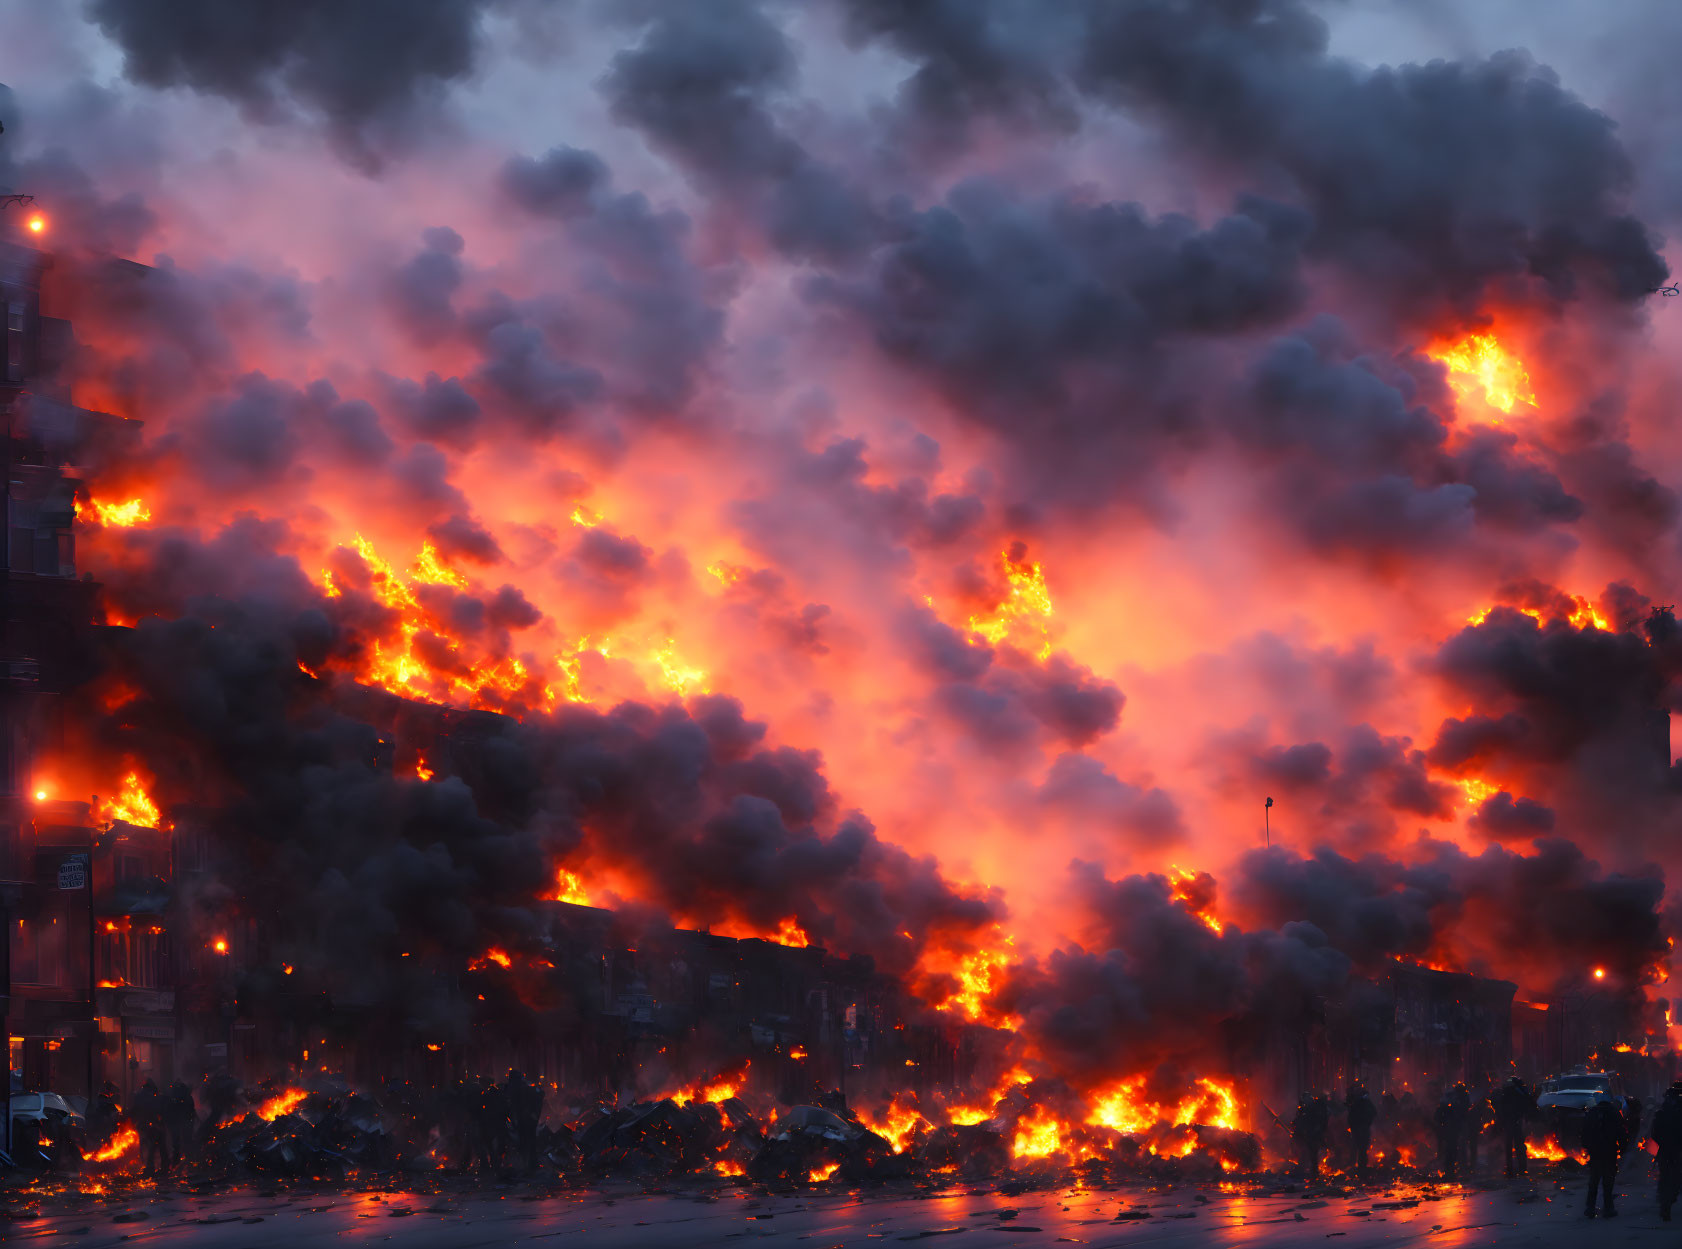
(568, 888)
(898, 1126)
(1586, 617)
(1025, 613)
(1125, 1109)
(819, 1174)
(120, 1143)
(1038, 1134)
(499, 957)
(1479, 366)
(1583, 615)
(978, 976)
(121, 515)
(282, 1104)
(1186, 893)
(132, 805)
(682, 679)
(967, 1116)
(1548, 1149)
(1476, 790)
(721, 1089)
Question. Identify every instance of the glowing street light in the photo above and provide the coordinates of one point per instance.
(1600, 973)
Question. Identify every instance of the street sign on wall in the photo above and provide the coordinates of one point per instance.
(73, 872)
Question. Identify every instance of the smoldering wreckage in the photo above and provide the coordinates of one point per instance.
(380, 838)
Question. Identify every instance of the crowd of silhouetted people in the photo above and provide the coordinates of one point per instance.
(1609, 1130)
(1461, 1123)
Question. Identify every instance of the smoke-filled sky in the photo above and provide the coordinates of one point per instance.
(924, 471)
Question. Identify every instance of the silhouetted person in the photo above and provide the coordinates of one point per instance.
(1447, 1122)
(1667, 1135)
(147, 1112)
(104, 1116)
(1514, 1104)
(1478, 1121)
(1361, 1114)
(1308, 1133)
(1603, 1138)
(493, 1124)
(221, 1094)
(181, 1117)
(1461, 1099)
(525, 1108)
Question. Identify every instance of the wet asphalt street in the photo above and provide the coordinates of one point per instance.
(1542, 1215)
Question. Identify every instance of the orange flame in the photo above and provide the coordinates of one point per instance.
(1476, 789)
(1124, 1108)
(281, 1104)
(120, 1143)
(721, 1089)
(119, 515)
(1478, 365)
(1024, 614)
(979, 975)
(1038, 1134)
(499, 957)
(568, 888)
(133, 805)
(966, 1116)
(898, 1126)
(1182, 882)
(819, 1174)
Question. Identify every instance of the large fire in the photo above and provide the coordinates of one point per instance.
(1480, 367)
(121, 515)
(1024, 613)
(908, 605)
(131, 804)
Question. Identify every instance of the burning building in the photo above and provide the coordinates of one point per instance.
(48, 857)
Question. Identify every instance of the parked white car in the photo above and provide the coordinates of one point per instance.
(1569, 1096)
(44, 1107)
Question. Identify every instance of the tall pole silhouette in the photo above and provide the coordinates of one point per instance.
(1267, 829)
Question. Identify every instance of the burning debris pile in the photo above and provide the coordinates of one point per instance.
(330, 1136)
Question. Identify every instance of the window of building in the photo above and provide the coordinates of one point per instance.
(41, 950)
(26, 954)
(16, 322)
